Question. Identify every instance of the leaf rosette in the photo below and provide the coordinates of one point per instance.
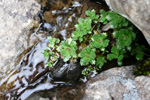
(68, 49)
(99, 41)
(52, 41)
(83, 28)
(92, 15)
(87, 56)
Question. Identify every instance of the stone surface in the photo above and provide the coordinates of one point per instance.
(118, 84)
(142, 84)
(67, 93)
(137, 11)
(112, 84)
(16, 17)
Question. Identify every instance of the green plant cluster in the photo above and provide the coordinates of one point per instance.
(124, 35)
(50, 53)
(95, 48)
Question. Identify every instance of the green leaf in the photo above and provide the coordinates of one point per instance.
(103, 15)
(115, 50)
(124, 38)
(68, 49)
(99, 41)
(138, 50)
(87, 56)
(85, 72)
(92, 15)
(116, 53)
(115, 20)
(83, 28)
(52, 41)
(120, 57)
(100, 62)
(112, 56)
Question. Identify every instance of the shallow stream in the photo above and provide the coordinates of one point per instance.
(57, 18)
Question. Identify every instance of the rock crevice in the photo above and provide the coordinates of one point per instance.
(137, 11)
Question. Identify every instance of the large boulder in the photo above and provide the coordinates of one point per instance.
(137, 11)
(16, 17)
(118, 84)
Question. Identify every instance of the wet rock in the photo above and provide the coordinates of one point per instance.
(65, 93)
(16, 18)
(66, 72)
(37, 97)
(112, 84)
(136, 11)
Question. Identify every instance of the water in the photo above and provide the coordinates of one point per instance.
(31, 73)
(28, 73)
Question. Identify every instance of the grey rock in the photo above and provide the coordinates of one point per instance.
(118, 84)
(16, 20)
(113, 84)
(137, 11)
(142, 84)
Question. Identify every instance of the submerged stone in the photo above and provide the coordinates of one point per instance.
(66, 72)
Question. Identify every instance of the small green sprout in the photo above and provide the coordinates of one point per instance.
(87, 70)
(53, 41)
(116, 53)
(103, 15)
(92, 15)
(46, 54)
(100, 62)
(115, 20)
(50, 56)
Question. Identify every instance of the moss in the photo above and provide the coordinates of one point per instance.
(143, 69)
